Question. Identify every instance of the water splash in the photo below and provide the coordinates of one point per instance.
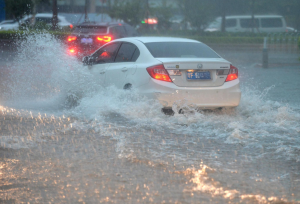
(44, 79)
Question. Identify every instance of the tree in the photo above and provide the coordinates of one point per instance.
(163, 14)
(39, 5)
(223, 12)
(224, 8)
(54, 18)
(289, 9)
(129, 11)
(18, 8)
(197, 12)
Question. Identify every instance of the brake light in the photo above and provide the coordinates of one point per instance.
(71, 38)
(159, 72)
(71, 26)
(233, 73)
(104, 38)
(72, 51)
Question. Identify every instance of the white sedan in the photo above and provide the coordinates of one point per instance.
(171, 70)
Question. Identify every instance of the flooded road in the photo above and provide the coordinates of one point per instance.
(64, 139)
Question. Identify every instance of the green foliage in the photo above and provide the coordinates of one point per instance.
(134, 11)
(36, 26)
(299, 42)
(207, 10)
(221, 39)
(14, 35)
(45, 2)
(18, 8)
(42, 26)
(163, 15)
(197, 12)
(129, 11)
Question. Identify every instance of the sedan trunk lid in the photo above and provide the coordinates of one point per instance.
(204, 72)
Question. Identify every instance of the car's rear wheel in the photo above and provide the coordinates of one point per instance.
(167, 111)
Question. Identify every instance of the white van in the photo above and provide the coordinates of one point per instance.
(262, 23)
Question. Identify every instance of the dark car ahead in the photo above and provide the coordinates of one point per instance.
(88, 37)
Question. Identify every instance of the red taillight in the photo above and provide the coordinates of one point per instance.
(71, 38)
(159, 72)
(104, 38)
(233, 73)
(71, 26)
(72, 51)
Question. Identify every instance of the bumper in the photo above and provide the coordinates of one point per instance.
(82, 50)
(168, 94)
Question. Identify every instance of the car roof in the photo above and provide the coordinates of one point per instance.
(6, 21)
(92, 23)
(158, 39)
(255, 16)
(78, 18)
(45, 15)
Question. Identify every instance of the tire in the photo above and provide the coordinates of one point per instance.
(168, 111)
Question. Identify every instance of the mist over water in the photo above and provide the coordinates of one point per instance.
(248, 154)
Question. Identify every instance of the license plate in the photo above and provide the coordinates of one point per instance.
(87, 40)
(198, 75)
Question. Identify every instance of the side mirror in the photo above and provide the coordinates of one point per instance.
(88, 60)
(85, 60)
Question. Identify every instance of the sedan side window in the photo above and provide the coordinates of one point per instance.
(43, 20)
(126, 53)
(106, 54)
(136, 55)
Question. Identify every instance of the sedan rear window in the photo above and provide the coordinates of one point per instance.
(91, 29)
(180, 50)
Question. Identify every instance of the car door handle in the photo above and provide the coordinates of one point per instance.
(124, 69)
(102, 72)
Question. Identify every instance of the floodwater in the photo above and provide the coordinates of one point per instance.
(64, 139)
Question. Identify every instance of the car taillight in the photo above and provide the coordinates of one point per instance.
(104, 38)
(71, 38)
(233, 73)
(159, 72)
(72, 51)
(71, 26)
